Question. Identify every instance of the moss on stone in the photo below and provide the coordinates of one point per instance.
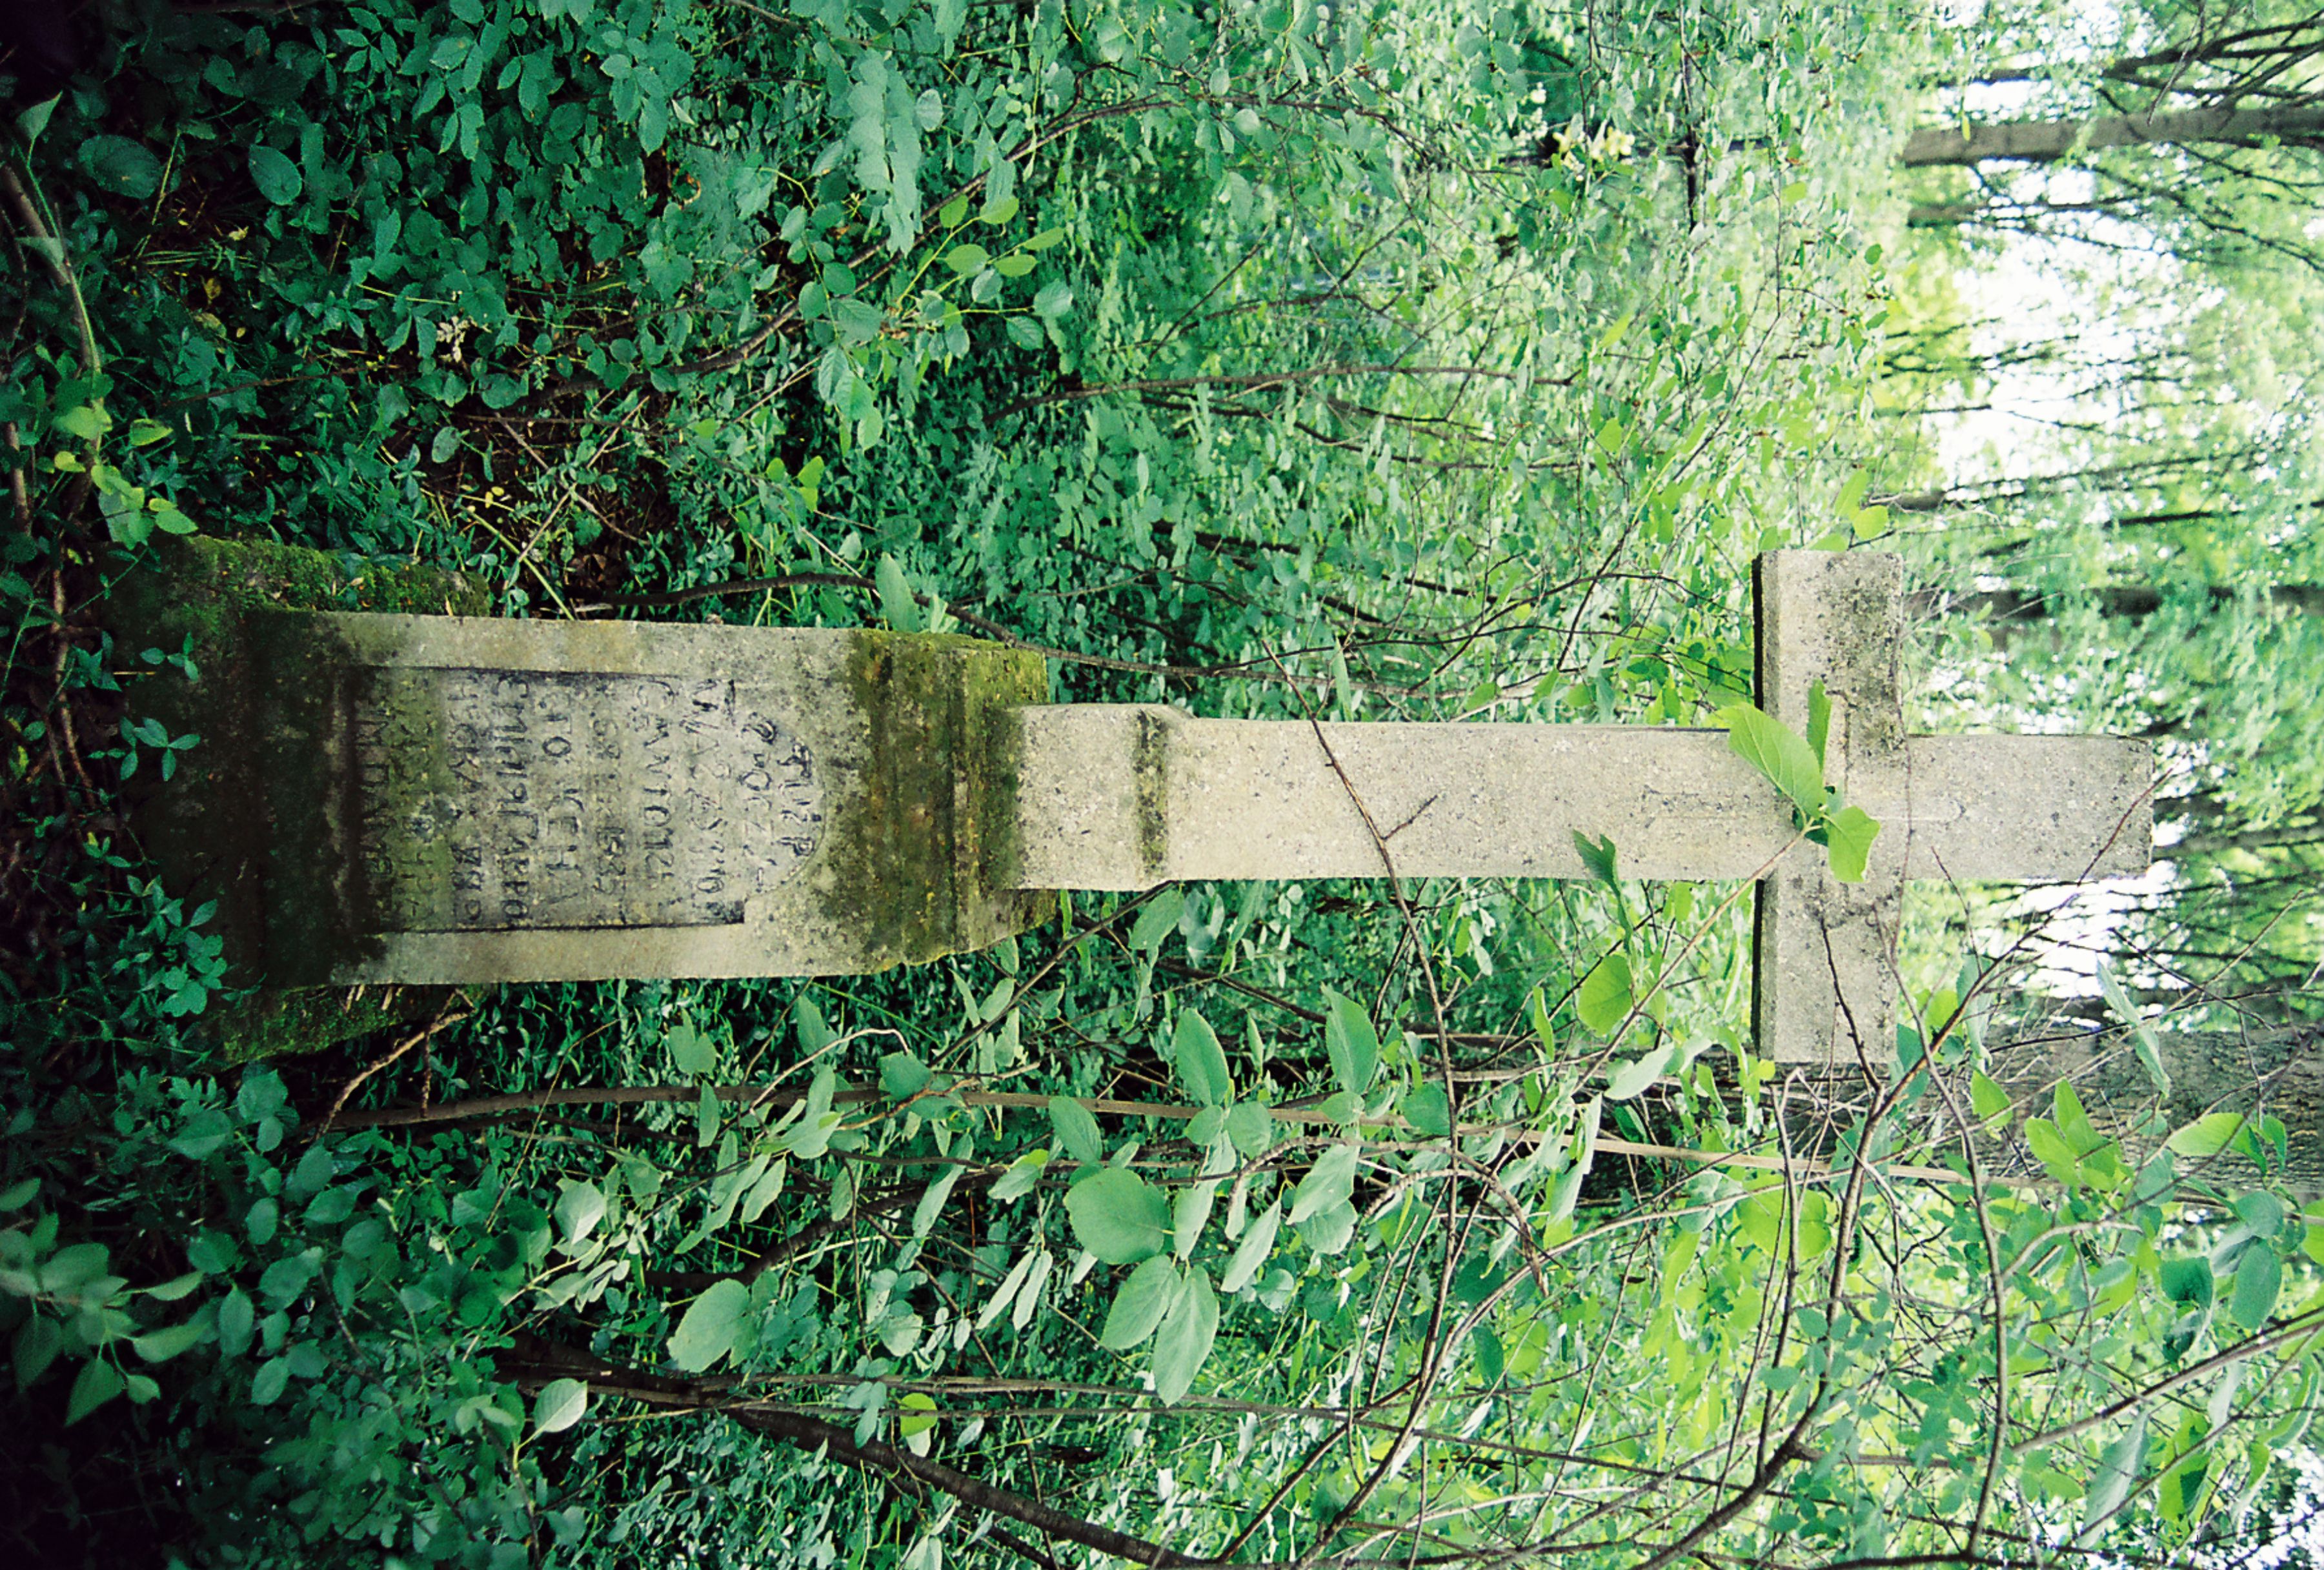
(923, 871)
(216, 830)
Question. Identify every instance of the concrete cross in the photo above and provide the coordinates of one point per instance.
(1125, 798)
(436, 799)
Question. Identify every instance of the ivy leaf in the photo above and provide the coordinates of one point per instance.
(1184, 1341)
(275, 176)
(1777, 752)
(1140, 1304)
(707, 1334)
(1117, 1217)
(1201, 1062)
(1849, 833)
(560, 1406)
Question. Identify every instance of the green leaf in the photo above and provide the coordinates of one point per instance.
(98, 1382)
(1023, 1174)
(1992, 1104)
(1117, 1217)
(2143, 1040)
(1077, 1130)
(560, 1406)
(1054, 300)
(2207, 1136)
(2259, 1278)
(1429, 1110)
(707, 1334)
(1818, 720)
(124, 167)
(2187, 1278)
(1190, 1212)
(1631, 1079)
(275, 176)
(18, 1194)
(177, 1286)
(903, 1077)
(1604, 1000)
(1184, 1340)
(1777, 752)
(2118, 1470)
(272, 1378)
(898, 608)
(1140, 1304)
(967, 258)
(2050, 1148)
(693, 1052)
(580, 1207)
(1849, 834)
(1251, 1253)
(1024, 332)
(1598, 856)
(1329, 1182)
(1200, 1060)
(1351, 1042)
(1014, 265)
(162, 1345)
(1251, 1128)
(1158, 919)
(236, 1316)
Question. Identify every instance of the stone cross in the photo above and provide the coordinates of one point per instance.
(427, 800)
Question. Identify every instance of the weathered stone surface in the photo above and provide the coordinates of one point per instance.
(1824, 982)
(1128, 796)
(454, 800)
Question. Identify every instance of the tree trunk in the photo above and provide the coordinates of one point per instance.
(2006, 606)
(2279, 1071)
(2050, 140)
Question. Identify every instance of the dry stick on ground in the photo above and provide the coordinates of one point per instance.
(442, 1021)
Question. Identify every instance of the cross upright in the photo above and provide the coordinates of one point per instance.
(447, 799)
(1115, 797)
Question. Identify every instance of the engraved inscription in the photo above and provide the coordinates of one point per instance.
(505, 799)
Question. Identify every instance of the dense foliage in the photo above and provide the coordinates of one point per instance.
(1427, 361)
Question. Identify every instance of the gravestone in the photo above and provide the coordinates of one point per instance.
(427, 800)
(430, 799)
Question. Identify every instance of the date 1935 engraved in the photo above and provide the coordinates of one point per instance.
(500, 800)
